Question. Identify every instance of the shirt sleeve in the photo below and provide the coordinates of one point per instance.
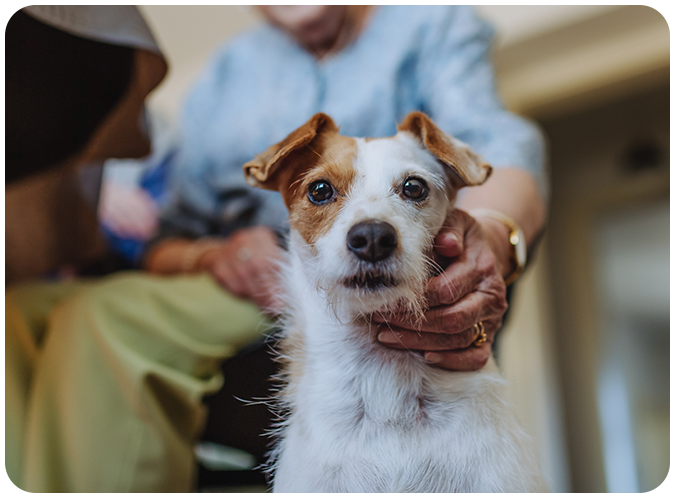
(458, 91)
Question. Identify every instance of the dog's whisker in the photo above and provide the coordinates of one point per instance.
(436, 268)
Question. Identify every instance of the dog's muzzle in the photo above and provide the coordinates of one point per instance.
(372, 240)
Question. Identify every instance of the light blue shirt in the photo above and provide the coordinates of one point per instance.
(262, 86)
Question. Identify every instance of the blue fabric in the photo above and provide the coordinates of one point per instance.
(263, 85)
(155, 182)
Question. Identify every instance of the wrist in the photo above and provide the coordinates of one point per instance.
(513, 262)
(206, 258)
(163, 257)
(497, 235)
(198, 255)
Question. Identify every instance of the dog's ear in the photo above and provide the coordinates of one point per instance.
(467, 165)
(265, 169)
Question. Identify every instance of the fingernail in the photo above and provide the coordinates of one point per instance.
(387, 337)
(432, 357)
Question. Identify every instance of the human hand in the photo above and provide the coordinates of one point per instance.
(247, 265)
(471, 289)
(128, 212)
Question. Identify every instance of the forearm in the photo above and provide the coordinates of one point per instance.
(166, 256)
(178, 255)
(182, 232)
(514, 193)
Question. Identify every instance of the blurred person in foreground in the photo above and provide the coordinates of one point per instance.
(367, 67)
(104, 375)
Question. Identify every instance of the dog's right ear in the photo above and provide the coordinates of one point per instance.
(267, 169)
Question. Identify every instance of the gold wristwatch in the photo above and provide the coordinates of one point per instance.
(516, 238)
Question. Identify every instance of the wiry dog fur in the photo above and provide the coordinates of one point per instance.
(358, 416)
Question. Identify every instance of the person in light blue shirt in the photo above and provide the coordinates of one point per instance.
(367, 67)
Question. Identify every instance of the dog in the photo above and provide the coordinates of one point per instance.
(358, 416)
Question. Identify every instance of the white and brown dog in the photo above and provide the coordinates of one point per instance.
(361, 417)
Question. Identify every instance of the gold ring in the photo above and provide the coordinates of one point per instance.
(479, 335)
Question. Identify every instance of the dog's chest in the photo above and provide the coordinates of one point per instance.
(370, 457)
(370, 422)
(365, 418)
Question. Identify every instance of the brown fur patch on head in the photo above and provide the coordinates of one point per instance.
(315, 151)
(469, 166)
(334, 162)
(263, 170)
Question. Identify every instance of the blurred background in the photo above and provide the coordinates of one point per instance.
(586, 348)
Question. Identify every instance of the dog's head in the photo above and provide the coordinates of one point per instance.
(364, 212)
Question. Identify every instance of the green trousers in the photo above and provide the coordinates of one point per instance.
(104, 379)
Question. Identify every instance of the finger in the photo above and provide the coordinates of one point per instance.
(459, 279)
(267, 291)
(271, 303)
(450, 240)
(398, 338)
(257, 275)
(455, 282)
(260, 276)
(229, 279)
(460, 316)
(473, 358)
(447, 319)
(264, 267)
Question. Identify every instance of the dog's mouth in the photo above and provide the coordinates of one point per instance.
(370, 281)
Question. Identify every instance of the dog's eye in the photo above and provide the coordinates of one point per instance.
(320, 192)
(415, 189)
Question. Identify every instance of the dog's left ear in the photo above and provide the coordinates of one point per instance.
(264, 170)
(467, 165)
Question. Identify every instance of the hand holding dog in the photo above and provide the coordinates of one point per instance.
(471, 289)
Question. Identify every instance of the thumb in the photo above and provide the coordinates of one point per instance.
(450, 239)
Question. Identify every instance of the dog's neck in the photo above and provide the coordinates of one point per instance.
(341, 369)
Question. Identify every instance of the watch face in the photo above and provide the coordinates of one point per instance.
(520, 248)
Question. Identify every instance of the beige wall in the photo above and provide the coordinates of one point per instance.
(519, 23)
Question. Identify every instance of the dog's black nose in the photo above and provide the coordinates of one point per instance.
(372, 240)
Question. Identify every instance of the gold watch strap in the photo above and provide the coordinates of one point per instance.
(516, 238)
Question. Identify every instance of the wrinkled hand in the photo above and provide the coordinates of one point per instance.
(247, 265)
(471, 289)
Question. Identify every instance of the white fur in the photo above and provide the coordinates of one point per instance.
(362, 417)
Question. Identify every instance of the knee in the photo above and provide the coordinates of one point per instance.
(117, 296)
